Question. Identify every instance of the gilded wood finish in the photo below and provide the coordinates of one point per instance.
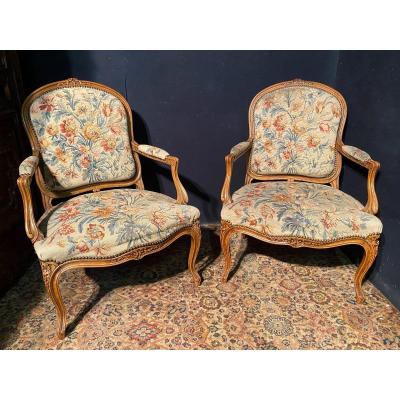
(51, 270)
(369, 244)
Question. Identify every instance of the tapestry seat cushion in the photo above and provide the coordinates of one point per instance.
(308, 210)
(108, 223)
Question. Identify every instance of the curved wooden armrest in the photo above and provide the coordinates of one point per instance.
(157, 154)
(362, 158)
(26, 171)
(236, 152)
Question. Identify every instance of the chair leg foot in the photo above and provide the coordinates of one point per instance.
(51, 277)
(195, 239)
(370, 251)
(225, 236)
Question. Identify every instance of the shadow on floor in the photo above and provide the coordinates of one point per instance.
(29, 291)
(286, 254)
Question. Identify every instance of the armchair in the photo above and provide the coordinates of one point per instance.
(295, 147)
(83, 148)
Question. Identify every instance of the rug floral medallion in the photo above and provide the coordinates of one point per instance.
(277, 298)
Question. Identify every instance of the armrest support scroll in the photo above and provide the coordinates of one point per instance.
(160, 155)
(363, 159)
(236, 152)
(26, 171)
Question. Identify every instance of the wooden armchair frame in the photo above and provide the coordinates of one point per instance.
(51, 270)
(369, 244)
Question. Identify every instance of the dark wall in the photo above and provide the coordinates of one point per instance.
(370, 83)
(194, 104)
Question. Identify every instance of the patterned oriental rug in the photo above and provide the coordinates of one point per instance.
(278, 298)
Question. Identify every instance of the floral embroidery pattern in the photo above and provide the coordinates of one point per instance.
(108, 223)
(83, 137)
(295, 132)
(27, 167)
(303, 209)
(358, 154)
(152, 304)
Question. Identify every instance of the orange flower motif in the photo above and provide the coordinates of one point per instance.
(279, 123)
(268, 103)
(312, 142)
(103, 212)
(281, 198)
(266, 211)
(108, 144)
(287, 154)
(324, 127)
(68, 127)
(51, 130)
(106, 109)
(158, 219)
(245, 203)
(95, 231)
(44, 143)
(296, 106)
(60, 155)
(252, 221)
(85, 161)
(82, 109)
(91, 131)
(319, 106)
(298, 129)
(266, 124)
(68, 213)
(66, 229)
(335, 111)
(82, 247)
(268, 146)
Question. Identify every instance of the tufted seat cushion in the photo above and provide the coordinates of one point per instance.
(108, 223)
(309, 210)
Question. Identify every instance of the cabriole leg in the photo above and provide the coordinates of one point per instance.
(195, 239)
(370, 252)
(225, 237)
(51, 278)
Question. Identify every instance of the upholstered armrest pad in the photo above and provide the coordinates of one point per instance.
(239, 148)
(356, 153)
(28, 166)
(153, 151)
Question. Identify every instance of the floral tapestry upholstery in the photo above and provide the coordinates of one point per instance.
(108, 223)
(307, 210)
(28, 166)
(295, 132)
(153, 151)
(356, 153)
(83, 137)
